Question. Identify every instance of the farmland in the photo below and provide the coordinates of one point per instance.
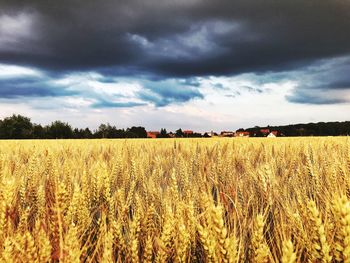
(175, 200)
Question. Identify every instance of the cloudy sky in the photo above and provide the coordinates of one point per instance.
(195, 64)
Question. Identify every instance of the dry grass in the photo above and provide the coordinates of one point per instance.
(200, 200)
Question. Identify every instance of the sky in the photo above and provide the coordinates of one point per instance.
(195, 64)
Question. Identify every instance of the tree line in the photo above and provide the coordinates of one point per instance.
(307, 129)
(21, 127)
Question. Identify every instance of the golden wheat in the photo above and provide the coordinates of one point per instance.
(175, 200)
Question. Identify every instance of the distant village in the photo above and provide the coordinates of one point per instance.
(190, 133)
(291, 130)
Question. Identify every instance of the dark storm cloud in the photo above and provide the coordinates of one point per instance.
(325, 84)
(314, 96)
(178, 38)
(331, 93)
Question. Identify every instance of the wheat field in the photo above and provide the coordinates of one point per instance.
(175, 200)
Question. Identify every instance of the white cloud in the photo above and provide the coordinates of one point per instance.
(13, 71)
(90, 86)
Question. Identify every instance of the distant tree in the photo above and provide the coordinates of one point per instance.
(108, 131)
(16, 127)
(179, 133)
(102, 131)
(116, 133)
(39, 132)
(87, 133)
(140, 132)
(82, 133)
(59, 130)
(77, 133)
(163, 134)
(206, 135)
(130, 134)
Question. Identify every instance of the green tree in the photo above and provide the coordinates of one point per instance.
(163, 134)
(108, 131)
(60, 130)
(102, 131)
(16, 127)
(179, 133)
(39, 132)
(139, 131)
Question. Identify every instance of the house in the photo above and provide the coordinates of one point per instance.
(187, 132)
(211, 134)
(152, 134)
(242, 134)
(265, 131)
(227, 134)
(272, 134)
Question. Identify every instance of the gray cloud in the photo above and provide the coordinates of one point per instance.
(178, 38)
(325, 83)
(314, 96)
(32, 87)
(109, 104)
(162, 93)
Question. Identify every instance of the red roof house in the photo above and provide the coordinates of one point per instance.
(152, 134)
(265, 131)
(188, 132)
(227, 134)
